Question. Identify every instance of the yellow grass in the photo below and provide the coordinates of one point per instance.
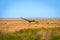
(17, 24)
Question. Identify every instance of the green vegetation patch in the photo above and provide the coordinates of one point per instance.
(55, 37)
(24, 34)
(30, 34)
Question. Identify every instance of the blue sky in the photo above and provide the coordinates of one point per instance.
(29, 8)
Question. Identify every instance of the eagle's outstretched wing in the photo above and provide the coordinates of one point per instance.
(29, 20)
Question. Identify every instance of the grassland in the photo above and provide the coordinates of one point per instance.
(33, 34)
(43, 29)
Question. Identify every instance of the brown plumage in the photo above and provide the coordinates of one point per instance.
(29, 20)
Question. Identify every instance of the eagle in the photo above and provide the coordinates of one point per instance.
(30, 21)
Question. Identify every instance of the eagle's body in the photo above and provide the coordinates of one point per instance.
(29, 20)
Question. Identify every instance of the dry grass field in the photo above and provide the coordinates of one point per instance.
(19, 29)
(12, 25)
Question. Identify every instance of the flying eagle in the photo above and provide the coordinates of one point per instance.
(30, 21)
